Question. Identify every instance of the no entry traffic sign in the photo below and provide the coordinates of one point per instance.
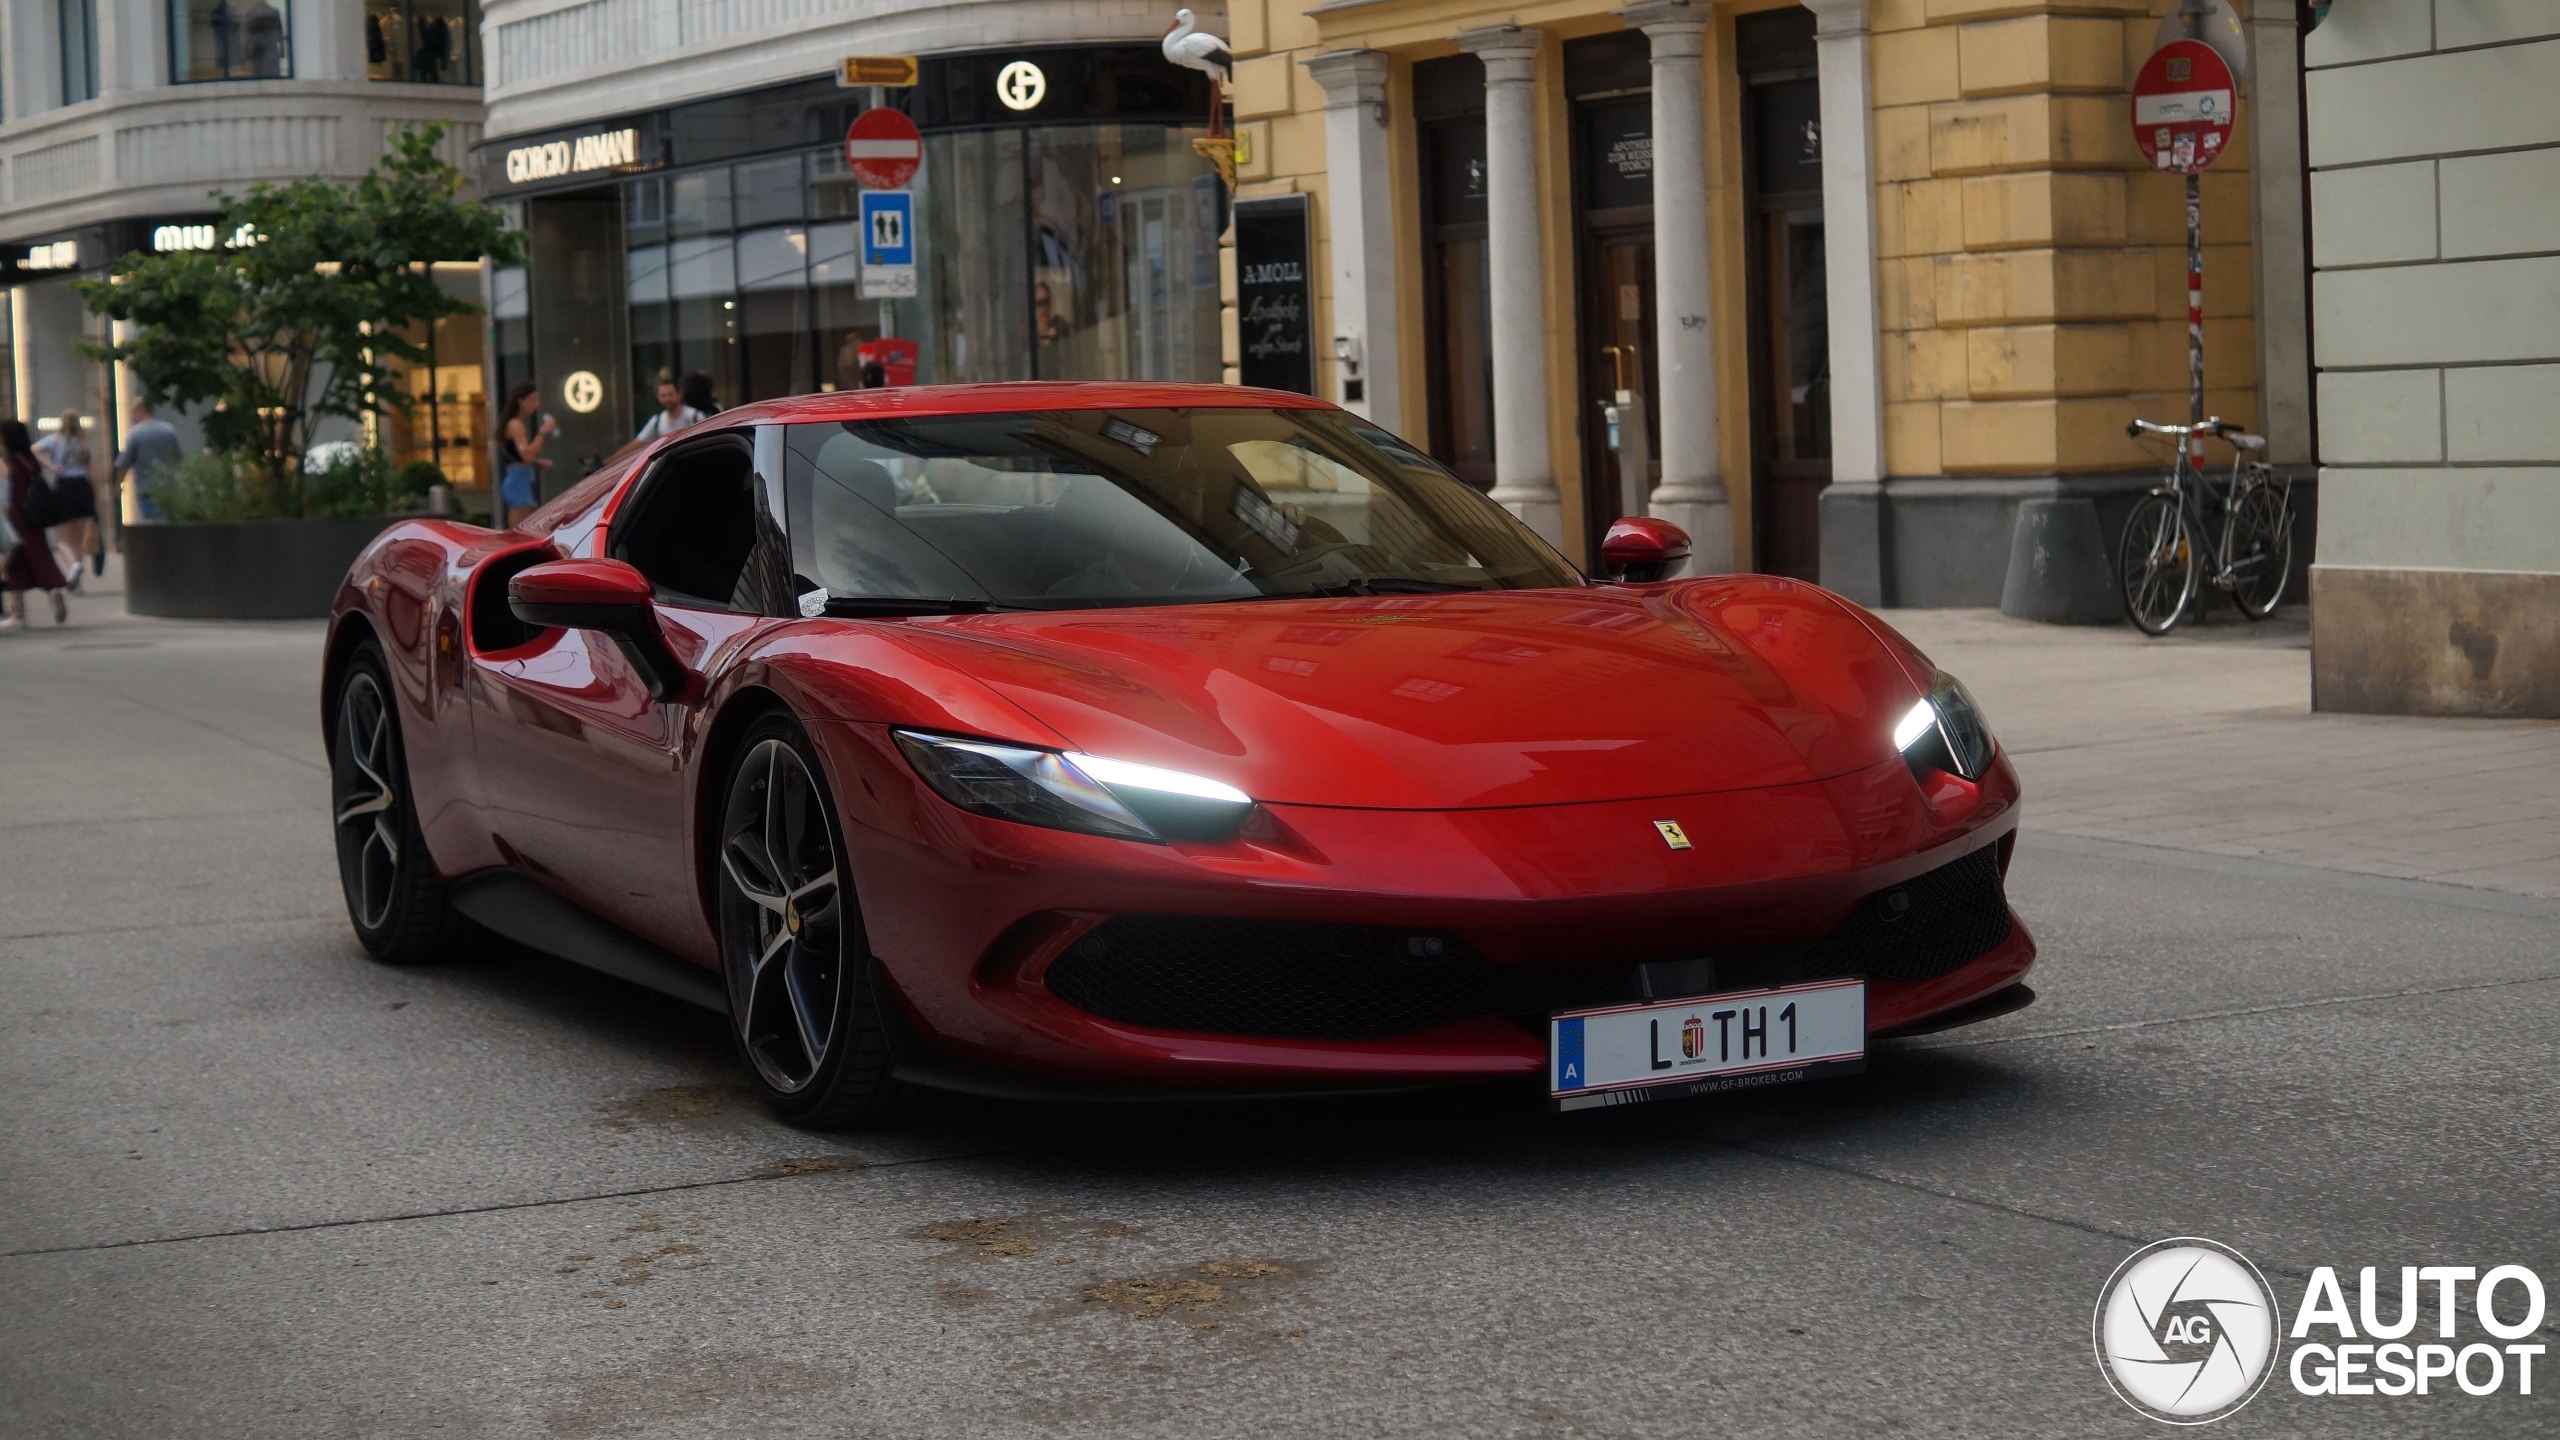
(2182, 106)
(883, 149)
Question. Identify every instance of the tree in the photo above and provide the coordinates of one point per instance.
(303, 312)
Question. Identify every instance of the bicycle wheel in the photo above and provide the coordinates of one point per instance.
(2157, 564)
(2261, 550)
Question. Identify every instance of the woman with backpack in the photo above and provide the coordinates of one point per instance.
(29, 564)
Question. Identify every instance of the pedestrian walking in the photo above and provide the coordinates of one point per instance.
(673, 414)
(520, 440)
(64, 454)
(149, 459)
(697, 393)
(29, 563)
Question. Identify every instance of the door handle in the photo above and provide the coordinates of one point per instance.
(1622, 359)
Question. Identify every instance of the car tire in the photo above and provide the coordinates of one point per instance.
(398, 903)
(808, 1008)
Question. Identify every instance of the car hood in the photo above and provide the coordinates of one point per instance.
(1463, 700)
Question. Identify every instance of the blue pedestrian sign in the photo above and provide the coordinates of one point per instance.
(888, 244)
(888, 227)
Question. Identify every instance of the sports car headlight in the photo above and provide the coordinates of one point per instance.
(1945, 732)
(1064, 790)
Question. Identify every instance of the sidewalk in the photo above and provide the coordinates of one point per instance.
(2206, 741)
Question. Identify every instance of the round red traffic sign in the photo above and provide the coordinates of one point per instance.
(2182, 106)
(883, 149)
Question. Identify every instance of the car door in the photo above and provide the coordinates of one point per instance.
(583, 769)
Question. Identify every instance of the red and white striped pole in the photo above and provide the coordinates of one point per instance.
(2195, 299)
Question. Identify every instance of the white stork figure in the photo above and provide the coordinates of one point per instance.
(1195, 49)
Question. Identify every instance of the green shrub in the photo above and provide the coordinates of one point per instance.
(212, 486)
(411, 480)
(216, 486)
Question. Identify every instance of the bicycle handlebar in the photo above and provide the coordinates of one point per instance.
(2211, 425)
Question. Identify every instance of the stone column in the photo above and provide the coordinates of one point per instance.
(1692, 495)
(2277, 225)
(1524, 480)
(1361, 228)
(31, 53)
(120, 28)
(1853, 507)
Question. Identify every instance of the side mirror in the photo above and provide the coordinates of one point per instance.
(609, 597)
(1640, 548)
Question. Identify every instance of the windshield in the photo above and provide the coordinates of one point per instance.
(1061, 508)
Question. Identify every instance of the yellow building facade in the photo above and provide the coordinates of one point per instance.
(1842, 282)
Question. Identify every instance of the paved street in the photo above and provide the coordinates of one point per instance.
(252, 1183)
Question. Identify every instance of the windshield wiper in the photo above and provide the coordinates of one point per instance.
(858, 606)
(1378, 585)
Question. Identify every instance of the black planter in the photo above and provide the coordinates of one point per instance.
(243, 570)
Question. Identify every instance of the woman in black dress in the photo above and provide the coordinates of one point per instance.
(29, 564)
(65, 454)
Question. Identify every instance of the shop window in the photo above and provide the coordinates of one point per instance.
(1124, 249)
(772, 190)
(228, 40)
(426, 42)
(845, 321)
(773, 281)
(79, 50)
(1448, 100)
(447, 424)
(976, 274)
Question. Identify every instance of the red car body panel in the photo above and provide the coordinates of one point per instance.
(1490, 764)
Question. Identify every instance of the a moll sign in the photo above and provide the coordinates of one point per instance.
(609, 150)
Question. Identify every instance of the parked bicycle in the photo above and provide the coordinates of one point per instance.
(2236, 536)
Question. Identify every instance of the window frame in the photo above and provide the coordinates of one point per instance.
(86, 12)
(468, 61)
(179, 16)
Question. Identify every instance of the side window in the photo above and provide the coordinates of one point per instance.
(700, 530)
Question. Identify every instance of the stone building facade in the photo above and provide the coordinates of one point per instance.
(2435, 185)
(1873, 271)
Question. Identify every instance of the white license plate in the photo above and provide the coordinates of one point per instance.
(1664, 1048)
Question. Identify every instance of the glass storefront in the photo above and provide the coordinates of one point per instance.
(1076, 238)
(1065, 252)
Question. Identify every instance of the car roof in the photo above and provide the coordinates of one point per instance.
(910, 401)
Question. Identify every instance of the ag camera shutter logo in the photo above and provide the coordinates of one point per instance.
(2186, 1331)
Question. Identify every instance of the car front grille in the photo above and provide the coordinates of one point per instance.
(1299, 979)
(1306, 980)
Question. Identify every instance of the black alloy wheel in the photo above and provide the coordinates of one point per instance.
(805, 996)
(398, 903)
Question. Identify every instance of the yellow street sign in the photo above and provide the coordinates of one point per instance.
(876, 70)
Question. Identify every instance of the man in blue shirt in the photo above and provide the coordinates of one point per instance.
(151, 454)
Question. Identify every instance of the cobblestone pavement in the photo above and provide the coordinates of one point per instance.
(2206, 740)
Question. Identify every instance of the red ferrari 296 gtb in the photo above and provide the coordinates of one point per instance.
(1118, 739)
